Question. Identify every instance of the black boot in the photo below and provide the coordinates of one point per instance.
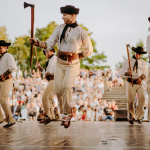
(9, 125)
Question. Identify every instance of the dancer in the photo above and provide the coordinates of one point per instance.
(73, 43)
(7, 66)
(138, 73)
(47, 98)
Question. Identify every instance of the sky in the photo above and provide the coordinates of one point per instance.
(114, 23)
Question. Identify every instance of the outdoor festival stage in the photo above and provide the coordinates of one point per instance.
(80, 135)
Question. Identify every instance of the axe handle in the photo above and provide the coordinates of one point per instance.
(36, 54)
(32, 34)
(129, 64)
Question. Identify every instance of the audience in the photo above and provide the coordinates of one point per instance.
(87, 103)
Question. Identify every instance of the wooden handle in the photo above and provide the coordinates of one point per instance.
(32, 34)
(36, 54)
(129, 64)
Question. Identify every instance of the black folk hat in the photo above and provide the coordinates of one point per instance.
(69, 9)
(4, 43)
(139, 50)
(44, 51)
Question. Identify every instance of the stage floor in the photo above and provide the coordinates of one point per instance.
(80, 135)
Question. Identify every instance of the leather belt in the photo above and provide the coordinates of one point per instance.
(67, 56)
(7, 77)
(134, 80)
(49, 77)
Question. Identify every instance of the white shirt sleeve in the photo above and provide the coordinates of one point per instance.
(145, 70)
(123, 70)
(87, 46)
(11, 63)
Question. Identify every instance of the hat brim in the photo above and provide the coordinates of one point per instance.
(140, 52)
(5, 44)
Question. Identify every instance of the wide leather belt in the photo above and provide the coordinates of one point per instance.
(49, 77)
(68, 56)
(134, 80)
(7, 77)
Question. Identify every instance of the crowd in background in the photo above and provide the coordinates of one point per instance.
(25, 98)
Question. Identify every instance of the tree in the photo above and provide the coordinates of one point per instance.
(94, 61)
(3, 34)
(20, 52)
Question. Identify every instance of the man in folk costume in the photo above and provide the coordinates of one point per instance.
(139, 73)
(47, 98)
(73, 43)
(148, 78)
(7, 66)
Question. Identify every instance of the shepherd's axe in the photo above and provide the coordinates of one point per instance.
(32, 28)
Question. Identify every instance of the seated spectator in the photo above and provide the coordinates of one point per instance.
(99, 94)
(95, 113)
(90, 113)
(105, 103)
(120, 82)
(100, 109)
(85, 104)
(115, 82)
(84, 115)
(79, 104)
(28, 91)
(108, 112)
(75, 114)
(16, 110)
(94, 102)
(101, 86)
(80, 109)
(113, 105)
(32, 111)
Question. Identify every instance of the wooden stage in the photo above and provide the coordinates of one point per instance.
(79, 136)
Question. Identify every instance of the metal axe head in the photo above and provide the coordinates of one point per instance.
(128, 45)
(27, 5)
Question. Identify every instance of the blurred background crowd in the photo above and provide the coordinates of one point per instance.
(25, 98)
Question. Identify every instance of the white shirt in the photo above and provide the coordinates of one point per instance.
(51, 65)
(142, 68)
(76, 40)
(7, 62)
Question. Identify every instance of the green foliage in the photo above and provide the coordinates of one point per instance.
(42, 34)
(20, 52)
(94, 61)
(3, 34)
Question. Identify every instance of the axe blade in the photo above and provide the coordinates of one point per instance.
(27, 5)
(128, 45)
